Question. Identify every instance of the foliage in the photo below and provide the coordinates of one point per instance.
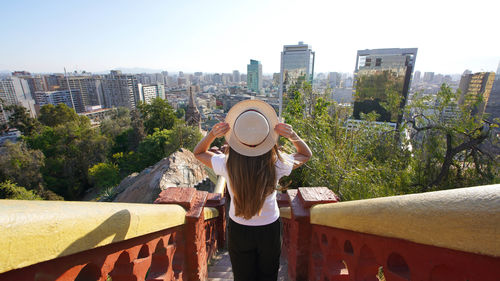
(137, 134)
(159, 114)
(180, 112)
(51, 115)
(10, 190)
(22, 165)
(70, 148)
(21, 119)
(453, 145)
(163, 143)
(117, 123)
(360, 160)
(63, 156)
(104, 175)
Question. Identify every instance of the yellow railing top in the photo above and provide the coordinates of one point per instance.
(286, 212)
(210, 213)
(36, 231)
(465, 219)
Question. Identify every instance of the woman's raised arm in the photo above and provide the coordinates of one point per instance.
(201, 150)
(303, 152)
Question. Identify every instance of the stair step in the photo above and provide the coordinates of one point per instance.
(228, 275)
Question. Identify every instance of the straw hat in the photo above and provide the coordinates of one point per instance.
(252, 125)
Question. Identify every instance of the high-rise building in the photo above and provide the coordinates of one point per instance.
(120, 90)
(475, 91)
(334, 79)
(381, 78)
(3, 115)
(254, 76)
(87, 86)
(217, 78)
(428, 76)
(493, 105)
(149, 92)
(416, 77)
(72, 100)
(16, 91)
(236, 76)
(297, 61)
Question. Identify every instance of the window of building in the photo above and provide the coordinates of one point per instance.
(378, 62)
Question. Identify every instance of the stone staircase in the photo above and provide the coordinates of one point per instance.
(220, 269)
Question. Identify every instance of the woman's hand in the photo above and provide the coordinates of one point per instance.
(219, 129)
(286, 131)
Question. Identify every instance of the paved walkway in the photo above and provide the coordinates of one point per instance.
(220, 269)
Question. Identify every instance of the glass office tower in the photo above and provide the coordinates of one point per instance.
(297, 61)
(254, 76)
(382, 80)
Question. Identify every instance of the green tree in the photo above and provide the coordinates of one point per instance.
(137, 134)
(104, 175)
(157, 115)
(51, 115)
(70, 148)
(22, 165)
(10, 190)
(162, 143)
(449, 140)
(117, 123)
(21, 119)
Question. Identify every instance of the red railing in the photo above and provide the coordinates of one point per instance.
(453, 245)
(177, 253)
(450, 235)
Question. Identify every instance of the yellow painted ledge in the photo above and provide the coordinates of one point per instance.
(465, 219)
(36, 231)
(210, 213)
(286, 212)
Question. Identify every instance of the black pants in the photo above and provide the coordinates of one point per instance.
(254, 251)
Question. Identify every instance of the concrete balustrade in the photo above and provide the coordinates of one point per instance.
(57, 240)
(443, 235)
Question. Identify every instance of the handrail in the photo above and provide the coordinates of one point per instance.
(37, 231)
(465, 219)
(442, 235)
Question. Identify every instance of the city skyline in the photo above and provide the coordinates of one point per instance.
(190, 36)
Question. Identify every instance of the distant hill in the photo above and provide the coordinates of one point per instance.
(132, 70)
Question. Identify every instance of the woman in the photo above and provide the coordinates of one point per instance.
(252, 167)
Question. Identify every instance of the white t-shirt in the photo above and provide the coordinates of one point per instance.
(270, 211)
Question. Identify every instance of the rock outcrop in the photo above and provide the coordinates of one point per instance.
(180, 169)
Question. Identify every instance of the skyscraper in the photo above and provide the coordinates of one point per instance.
(475, 91)
(254, 76)
(493, 105)
(296, 61)
(236, 76)
(72, 100)
(416, 77)
(120, 90)
(149, 92)
(16, 91)
(382, 80)
(88, 87)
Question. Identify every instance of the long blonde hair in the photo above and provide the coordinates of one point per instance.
(252, 180)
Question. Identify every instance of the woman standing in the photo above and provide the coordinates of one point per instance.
(252, 166)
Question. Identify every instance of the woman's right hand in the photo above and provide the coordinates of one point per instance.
(219, 129)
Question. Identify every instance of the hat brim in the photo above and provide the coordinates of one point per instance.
(267, 111)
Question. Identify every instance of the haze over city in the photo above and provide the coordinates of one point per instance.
(221, 36)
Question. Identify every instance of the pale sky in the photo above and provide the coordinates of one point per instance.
(222, 36)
